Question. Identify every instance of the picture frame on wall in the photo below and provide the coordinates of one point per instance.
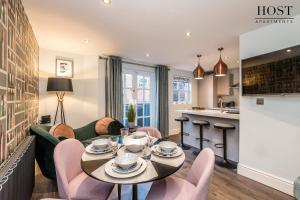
(64, 67)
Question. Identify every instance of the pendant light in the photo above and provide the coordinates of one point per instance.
(198, 72)
(220, 68)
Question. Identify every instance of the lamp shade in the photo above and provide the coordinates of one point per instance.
(199, 71)
(220, 68)
(59, 85)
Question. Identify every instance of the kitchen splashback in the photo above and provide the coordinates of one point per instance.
(18, 77)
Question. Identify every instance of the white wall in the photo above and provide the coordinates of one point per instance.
(86, 103)
(270, 134)
(174, 127)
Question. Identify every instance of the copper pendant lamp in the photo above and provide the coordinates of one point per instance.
(199, 71)
(220, 68)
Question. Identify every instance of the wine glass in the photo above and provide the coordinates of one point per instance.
(147, 148)
(114, 144)
(124, 131)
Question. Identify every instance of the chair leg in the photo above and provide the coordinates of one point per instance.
(225, 163)
(201, 138)
(184, 147)
(119, 191)
(196, 153)
(225, 146)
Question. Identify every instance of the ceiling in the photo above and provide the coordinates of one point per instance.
(133, 28)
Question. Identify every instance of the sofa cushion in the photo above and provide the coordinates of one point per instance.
(102, 125)
(108, 126)
(62, 130)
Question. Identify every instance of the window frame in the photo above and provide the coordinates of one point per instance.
(186, 91)
(135, 71)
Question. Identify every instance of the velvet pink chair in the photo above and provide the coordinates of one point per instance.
(195, 187)
(154, 132)
(72, 182)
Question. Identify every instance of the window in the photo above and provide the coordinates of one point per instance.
(139, 89)
(182, 90)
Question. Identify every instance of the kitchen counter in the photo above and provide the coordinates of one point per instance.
(211, 113)
(209, 132)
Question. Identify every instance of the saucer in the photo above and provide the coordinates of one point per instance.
(156, 151)
(92, 150)
(124, 171)
(110, 171)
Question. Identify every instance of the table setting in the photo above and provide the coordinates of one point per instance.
(131, 159)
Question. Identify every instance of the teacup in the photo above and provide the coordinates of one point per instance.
(100, 144)
(134, 145)
(167, 146)
(139, 134)
(127, 160)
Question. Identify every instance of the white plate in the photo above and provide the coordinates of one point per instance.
(155, 150)
(90, 149)
(123, 171)
(109, 170)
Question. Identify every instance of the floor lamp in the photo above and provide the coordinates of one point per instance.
(60, 86)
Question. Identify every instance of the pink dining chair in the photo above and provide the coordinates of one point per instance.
(72, 182)
(154, 132)
(195, 187)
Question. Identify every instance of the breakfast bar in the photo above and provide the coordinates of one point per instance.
(214, 135)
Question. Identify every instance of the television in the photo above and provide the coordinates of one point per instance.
(275, 73)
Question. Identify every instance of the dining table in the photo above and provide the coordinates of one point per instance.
(157, 167)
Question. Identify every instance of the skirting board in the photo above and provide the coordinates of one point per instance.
(270, 180)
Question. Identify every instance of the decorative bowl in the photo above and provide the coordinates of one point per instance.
(139, 134)
(167, 146)
(134, 145)
(127, 160)
(100, 143)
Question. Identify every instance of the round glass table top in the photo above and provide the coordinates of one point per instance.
(158, 167)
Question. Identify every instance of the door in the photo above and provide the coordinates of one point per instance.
(139, 89)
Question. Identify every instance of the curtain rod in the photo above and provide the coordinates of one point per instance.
(131, 62)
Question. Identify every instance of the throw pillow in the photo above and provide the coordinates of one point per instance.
(102, 125)
(62, 130)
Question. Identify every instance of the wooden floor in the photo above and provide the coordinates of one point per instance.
(226, 185)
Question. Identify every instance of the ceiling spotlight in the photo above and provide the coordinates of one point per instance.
(86, 40)
(107, 1)
(188, 34)
(289, 50)
(148, 55)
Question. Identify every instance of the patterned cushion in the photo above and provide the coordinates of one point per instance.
(109, 126)
(62, 130)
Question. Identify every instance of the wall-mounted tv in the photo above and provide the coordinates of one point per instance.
(275, 73)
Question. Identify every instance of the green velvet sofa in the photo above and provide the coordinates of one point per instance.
(45, 143)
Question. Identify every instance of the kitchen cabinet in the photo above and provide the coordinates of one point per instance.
(224, 85)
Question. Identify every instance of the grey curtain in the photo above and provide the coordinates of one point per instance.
(113, 88)
(162, 99)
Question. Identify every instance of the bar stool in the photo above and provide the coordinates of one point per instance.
(200, 123)
(181, 120)
(224, 127)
